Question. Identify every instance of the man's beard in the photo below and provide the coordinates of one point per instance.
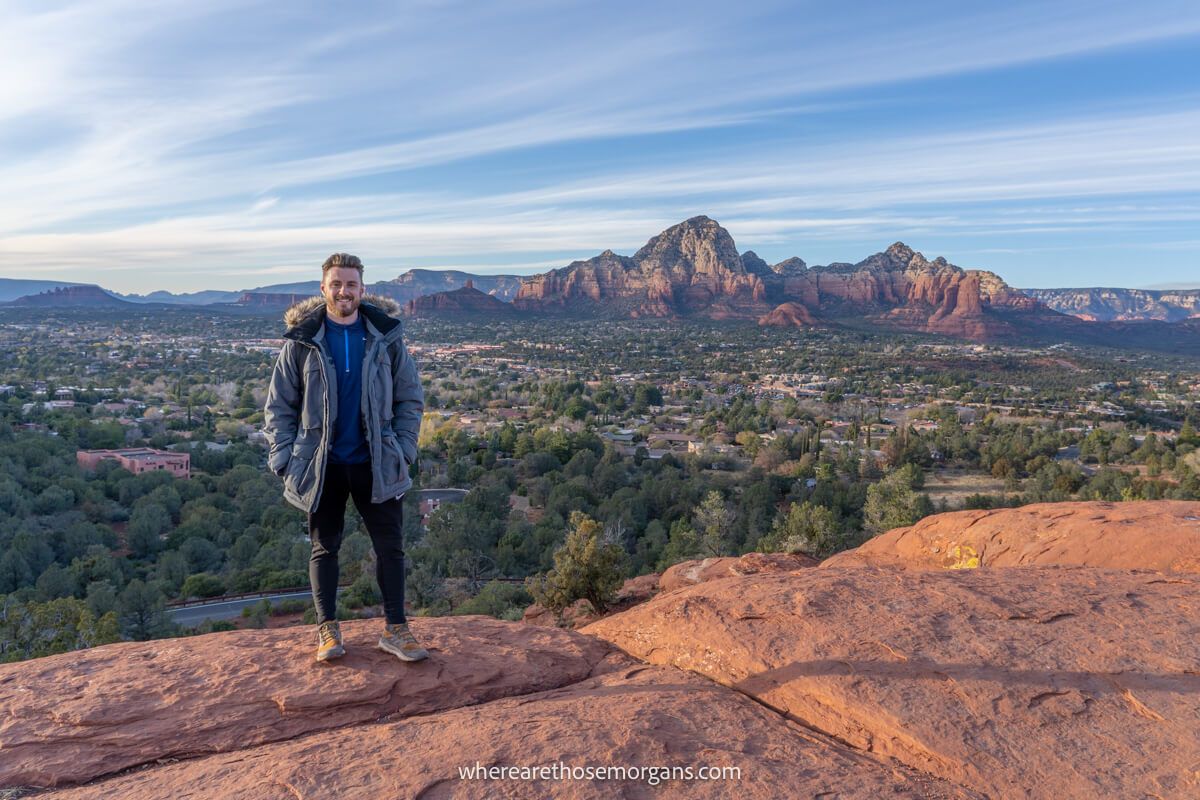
(337, 308)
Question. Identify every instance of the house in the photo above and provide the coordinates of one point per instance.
(138, 460)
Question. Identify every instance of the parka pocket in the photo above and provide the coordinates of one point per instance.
(393, 465)
(297, 477)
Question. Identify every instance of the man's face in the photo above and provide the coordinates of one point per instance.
(343, 290)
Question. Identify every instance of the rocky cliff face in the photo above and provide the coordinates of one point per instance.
(1108, 305)
(691, 267)
(694, 268)
(855, 680)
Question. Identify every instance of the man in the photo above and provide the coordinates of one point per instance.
(343, 413)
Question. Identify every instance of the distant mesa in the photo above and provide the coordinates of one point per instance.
(272, 300)
(71, 296)
(15, 288)
(420, 282)
(467, 300)
(1114, 305)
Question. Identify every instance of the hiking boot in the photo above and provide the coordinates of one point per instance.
(329, 641)
(399, 641)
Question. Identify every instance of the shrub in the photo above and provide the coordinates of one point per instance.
(202, 584)
(585, 566)
(497, 599)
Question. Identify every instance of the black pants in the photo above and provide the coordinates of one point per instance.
(384, 524)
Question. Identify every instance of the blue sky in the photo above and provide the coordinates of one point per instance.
(185, 145)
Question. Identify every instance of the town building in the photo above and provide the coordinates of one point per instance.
(138, 460)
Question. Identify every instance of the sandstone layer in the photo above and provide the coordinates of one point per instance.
(689, 573)
(632, 715)
(1147, 534)
(73, 717)
(1029, 682)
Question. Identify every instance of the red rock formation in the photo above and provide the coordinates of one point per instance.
(788, 315)
(629, 716)
(467, 300)
(686, 268)
(1150, 534)
(694, 267)
(902, 288)
(1032, 682)
(264, 721)
(689, 573)
(606, 277)
(73, 717)
(861, 682)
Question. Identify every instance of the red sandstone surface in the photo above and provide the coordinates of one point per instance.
(635, 715)
(73, 717)
(1144, 534)
(1032, 682)
(689, 573)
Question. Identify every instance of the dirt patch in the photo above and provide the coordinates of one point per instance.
(954, 486)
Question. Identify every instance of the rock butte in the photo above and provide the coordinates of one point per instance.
(693, 269)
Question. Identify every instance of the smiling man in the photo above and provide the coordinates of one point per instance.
(342, 416)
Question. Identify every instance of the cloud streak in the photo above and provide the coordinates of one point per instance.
(438, 133)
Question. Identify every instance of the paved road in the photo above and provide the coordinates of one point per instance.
(191, 616)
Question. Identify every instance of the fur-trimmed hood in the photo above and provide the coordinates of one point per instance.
(299, 311)
(305, 317)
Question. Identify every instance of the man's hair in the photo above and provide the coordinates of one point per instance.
(343, 260)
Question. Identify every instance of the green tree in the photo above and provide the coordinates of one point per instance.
(14, 572)
(143, 613)
(202, 584)
(805, 528)
(585, 566)
(146, 525)
(682, 543)
(54, 582)
(714, 523)
(893, 503)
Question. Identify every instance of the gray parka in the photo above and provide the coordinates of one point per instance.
(302, 402)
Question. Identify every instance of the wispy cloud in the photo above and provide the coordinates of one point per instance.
(190, 137)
